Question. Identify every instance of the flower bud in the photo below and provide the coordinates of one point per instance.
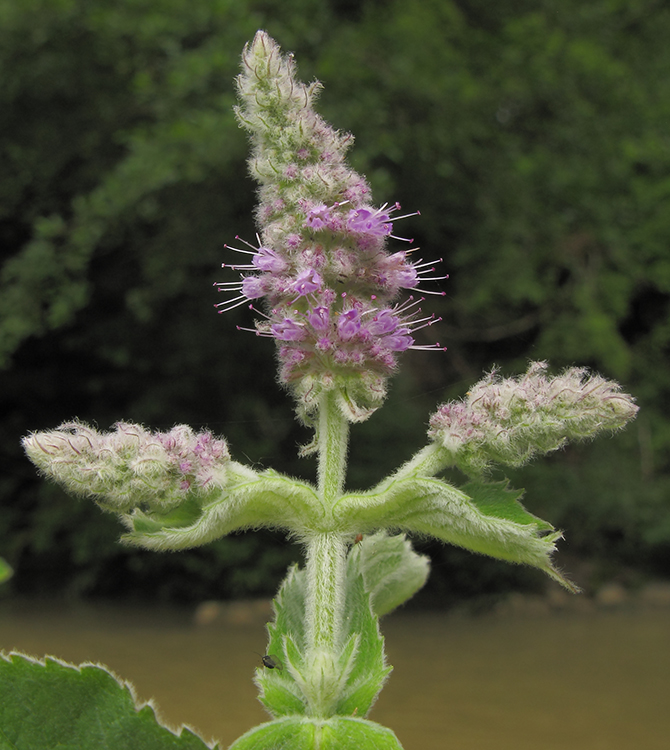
(508, 420)
(130, 467)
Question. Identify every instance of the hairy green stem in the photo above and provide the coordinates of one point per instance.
(326, 550)
(326, 554)
(333, 437)
(428, 462)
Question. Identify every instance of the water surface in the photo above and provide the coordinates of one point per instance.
(594, 680)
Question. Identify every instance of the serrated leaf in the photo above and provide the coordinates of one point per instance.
(289, 607)
(499, 500)
(303, 733)
(369, 671)
(392, 571)
(51, 704)
(279, 691)
(433, 506)
(361, 650)
(281, 696)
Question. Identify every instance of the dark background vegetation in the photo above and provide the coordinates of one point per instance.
(533, 137)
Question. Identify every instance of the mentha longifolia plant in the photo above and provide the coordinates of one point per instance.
(340, 307)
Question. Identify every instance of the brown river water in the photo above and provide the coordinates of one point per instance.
(572, 680)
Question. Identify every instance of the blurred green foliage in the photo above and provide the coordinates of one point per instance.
(531, 135)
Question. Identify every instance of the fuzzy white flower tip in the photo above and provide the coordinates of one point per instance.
(130, 466)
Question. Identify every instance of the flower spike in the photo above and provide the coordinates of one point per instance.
(320, 265)
(509, 420)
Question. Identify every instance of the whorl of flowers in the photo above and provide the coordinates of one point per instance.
(327, 283)
(508, 420)
(131, 467)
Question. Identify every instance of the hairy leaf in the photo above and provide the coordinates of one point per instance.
(298, 733)
(51, 704)
(392, 571)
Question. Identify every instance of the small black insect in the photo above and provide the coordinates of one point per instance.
(271, 661)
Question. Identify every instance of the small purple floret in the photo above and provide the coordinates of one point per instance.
(368, 221)
(269, 260)
(348, 324)
(383, 323)
(319, 318)
(307, 281)
(318, 217)
(287, 330)
(398, 343)
(252, 287)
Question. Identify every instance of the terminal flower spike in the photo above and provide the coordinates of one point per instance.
(328, 286)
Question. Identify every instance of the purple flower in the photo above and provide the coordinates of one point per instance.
(307, 281)
(397, 272)
(369, 221)
(319, 318)
(348, 324)
(252, 287)
(318, 217)
(383, 323)
(287, 330)
(398, 343)
(269, 260)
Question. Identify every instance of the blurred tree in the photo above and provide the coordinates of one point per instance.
(122, 182)
(530, 135)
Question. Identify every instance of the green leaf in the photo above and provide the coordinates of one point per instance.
(289, 606)
(185, 514)
(435, 507)
(497, 499)
(252, 501)
(392, 571)
(303, 733)
(5, 571)
(51, 704)
(279, 691)
(369, 671)
(361, 650)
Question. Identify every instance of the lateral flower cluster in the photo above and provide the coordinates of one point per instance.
(509, 420)
(321, 267)
(172, 490)
(131, 467)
